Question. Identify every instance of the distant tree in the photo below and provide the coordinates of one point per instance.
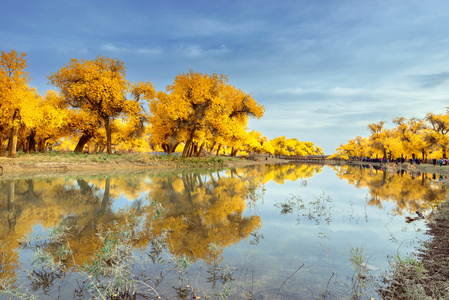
(378, 137)
(438, 130)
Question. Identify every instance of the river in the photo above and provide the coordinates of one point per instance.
(287, 231)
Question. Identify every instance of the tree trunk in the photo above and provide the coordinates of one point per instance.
(192, 149)
(189, 142)
(1, 145)
(212, 147)
(184, 152)
(218, 150)
(82, 142)
(200, 150)
(32, 141)
(172, 148)
(166, 148)
(13, 136)
(41, 146)
(107, 127)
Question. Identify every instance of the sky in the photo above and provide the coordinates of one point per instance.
(323, 69)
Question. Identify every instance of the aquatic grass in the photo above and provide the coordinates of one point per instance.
(110, 272)
(362, 280)
(7, 288)
(225, 292)
(182, 262)
(317, 210)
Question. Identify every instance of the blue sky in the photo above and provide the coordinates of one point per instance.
(323, 69)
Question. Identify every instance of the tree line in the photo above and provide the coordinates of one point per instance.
(94, 107)
(413, 138)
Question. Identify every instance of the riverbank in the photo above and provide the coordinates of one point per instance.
(424, 168)
(59, 163)
(55, 163)
(425, 276)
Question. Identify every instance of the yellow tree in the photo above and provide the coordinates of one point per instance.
(17, 100)
(96, 86)
(284, 146)
(237, 107)
(165, 129)
(280, 146)
(413, 135)
(255, 142)
(199, 109)
(438, 130)
(131, 127)
(193, 95)
(52, 122)
(377, 137)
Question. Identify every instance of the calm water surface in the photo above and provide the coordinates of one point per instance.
(263, 232)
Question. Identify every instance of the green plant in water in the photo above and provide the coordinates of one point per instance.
(410, 265)
(158, 209)
(225, 292)
(182, 262)
(109, 274)
(214, 247)
(7, 288)
(361, 280)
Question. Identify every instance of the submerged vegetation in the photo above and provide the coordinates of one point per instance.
(113, 272)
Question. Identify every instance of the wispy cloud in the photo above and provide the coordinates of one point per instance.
(197, 51)
(111, 48)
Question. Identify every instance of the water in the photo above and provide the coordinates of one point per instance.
(262, 232)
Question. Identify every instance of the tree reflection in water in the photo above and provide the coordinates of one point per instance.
(196, 210)
(409, 191)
